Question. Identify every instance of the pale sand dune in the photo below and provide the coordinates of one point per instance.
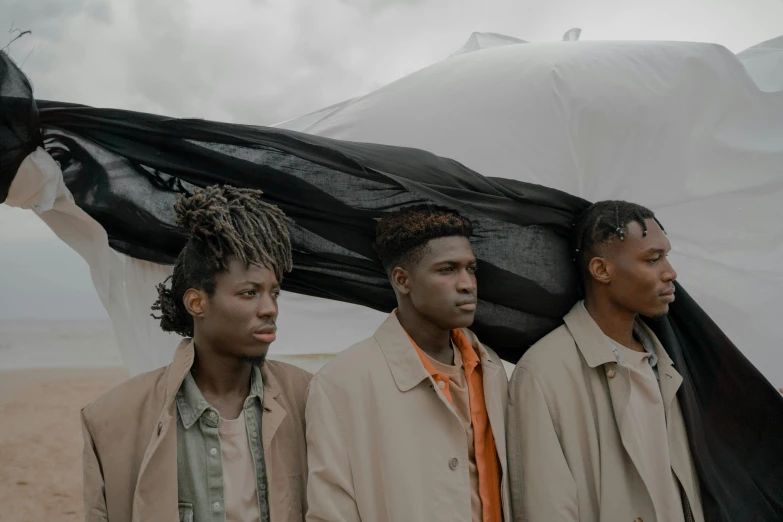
(41, 440)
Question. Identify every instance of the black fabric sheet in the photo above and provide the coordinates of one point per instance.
(126, 169)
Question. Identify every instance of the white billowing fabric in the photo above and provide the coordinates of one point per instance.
(764, 63)
(302, 122)
(125, 286)
(479, 41)
(678, 127)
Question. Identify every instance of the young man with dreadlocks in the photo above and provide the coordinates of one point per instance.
(595, 430)
(408, 425)
(217, 435)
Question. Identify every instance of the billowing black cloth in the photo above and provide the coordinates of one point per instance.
(126, 169)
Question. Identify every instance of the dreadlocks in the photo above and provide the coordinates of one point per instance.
(222, 223)
(603, 222)
(401, 235)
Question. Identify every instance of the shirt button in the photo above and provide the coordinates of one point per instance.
(441, 384)
(213, 451)
(216, 505)
(611, 373)
(263, 487)
(255, 434)
(453, 464)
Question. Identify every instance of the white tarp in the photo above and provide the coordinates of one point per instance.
(679, 127)
(764, 63)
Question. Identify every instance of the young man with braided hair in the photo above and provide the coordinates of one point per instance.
(595, 430)
(217, 435)
(408, 425)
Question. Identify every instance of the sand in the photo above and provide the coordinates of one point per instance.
(41, 440)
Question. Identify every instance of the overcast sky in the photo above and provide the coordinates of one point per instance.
(265, 61)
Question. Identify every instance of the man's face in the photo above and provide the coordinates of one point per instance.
(641, 279)
(442, 284)
(239, 318)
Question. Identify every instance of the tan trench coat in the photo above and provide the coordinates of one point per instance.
(566, 430)
(384, 444)
(130, 444)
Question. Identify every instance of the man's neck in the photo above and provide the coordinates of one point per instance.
(616, 323)
(430, 338)
(224, 381)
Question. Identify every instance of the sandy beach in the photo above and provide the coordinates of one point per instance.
(41, 440)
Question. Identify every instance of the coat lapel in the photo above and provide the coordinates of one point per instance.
(155, 496)
(404, 363)
(274, 412)
(598, 354)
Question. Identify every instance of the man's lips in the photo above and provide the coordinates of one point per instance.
(668, 295)
(467, 304)
(265, 334)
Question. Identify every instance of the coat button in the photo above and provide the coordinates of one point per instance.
(611, 373)
(453, 464)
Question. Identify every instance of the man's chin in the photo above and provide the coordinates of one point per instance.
(254, 360)
(464, 321)
(657, 313)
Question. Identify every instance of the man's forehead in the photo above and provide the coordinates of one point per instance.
(237, 270)
(444, 249)
(654, 239)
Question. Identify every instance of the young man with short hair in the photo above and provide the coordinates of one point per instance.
(408, 425)
(595, 430)
(217, 435)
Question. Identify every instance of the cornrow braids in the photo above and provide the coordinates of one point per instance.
(604, 221)
(222, 223)
(401, 235)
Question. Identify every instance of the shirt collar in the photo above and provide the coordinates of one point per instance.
(191, 403)
(641, 335)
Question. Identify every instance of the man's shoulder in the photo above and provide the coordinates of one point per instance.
(125, 399)
(552, 354)
(298, 377)
(293, 380)
(347, 366)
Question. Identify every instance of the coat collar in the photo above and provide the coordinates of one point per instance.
(405, 364)
(591, 341)
(184, 356)
(589, 337)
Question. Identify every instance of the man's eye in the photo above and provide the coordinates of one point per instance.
(472, 268)
(250, 293)
(653, 261)
(276, 294)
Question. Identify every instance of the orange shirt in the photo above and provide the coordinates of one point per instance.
(483, 440)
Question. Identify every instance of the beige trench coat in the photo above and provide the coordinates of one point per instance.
(383, 442)
(566, 431)
(130, 444)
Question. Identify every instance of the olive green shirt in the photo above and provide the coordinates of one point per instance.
(199, 455)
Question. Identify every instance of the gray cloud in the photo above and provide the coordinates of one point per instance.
(49, 18)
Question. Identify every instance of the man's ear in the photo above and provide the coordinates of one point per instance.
(599, 270)
(401, 280)
(195, 302)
